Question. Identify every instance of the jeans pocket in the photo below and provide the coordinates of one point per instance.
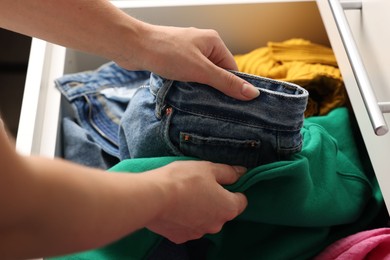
(289, 143)
(221, 150)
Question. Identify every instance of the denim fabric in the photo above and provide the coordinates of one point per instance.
(79, 147)
(100, 98)
(182, 118)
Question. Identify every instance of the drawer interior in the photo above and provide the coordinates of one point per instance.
(244, 26)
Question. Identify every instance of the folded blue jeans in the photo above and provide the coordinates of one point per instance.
(174, 118)
(99, 99)
(78, 146)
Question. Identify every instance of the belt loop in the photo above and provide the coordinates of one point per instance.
(160, 97)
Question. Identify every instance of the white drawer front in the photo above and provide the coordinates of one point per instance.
(39, 116)
(369, 30)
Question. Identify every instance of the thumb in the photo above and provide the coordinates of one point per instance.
(241, 202)
(232, 85)
(226, 174)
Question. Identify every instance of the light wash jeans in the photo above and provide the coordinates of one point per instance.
(99, 99)
(168, 117)
(79, 147)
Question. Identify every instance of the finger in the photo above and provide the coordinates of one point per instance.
(230, 84)
(227, 61)
(226, 174)
(241, 203)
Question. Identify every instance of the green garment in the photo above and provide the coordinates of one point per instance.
(295, 208)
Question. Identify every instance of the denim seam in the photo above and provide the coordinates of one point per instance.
(71, 93)
(94, 126)
(294, 149)
(285, 96)
(160, 97)
(222, 139)
(288, 85)
(110, 115)
(164, 132)
(212, 116)
(82, 91)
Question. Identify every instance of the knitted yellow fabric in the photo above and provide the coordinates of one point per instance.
(309, 65)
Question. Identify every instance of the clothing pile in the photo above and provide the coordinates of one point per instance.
(310, 181)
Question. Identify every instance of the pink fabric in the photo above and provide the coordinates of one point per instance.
(369, 245)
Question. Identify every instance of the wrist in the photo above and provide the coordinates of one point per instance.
(129, 51)
(166, 190)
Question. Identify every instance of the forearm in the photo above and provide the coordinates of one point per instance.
(50, 207)
(59, 208)
(98, 27)
(94, 26)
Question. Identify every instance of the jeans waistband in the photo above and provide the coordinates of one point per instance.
(280, 106)
(108, 76)
(99, 99)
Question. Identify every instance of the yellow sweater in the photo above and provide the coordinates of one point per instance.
(309, 65)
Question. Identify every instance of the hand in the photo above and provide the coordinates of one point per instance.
(193, 55)
(199, 204)
(185, 54)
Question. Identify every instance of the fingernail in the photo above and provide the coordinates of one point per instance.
(249, 91)
(240, 170)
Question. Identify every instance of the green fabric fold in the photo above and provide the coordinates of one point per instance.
(295, 208)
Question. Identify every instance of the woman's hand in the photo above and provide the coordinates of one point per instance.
(198, 204)
(186, 54)
(189, 54)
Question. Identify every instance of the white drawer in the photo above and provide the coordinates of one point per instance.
(244, 26)
(368, 25)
